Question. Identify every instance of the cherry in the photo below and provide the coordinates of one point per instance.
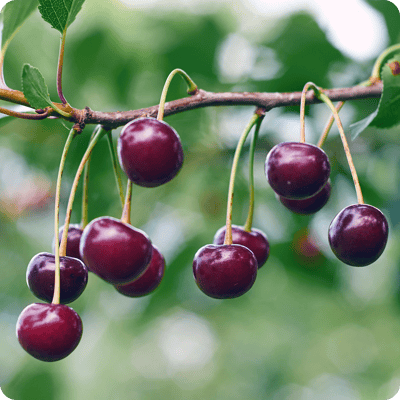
(49, 332)
(115, 251)
(149, 280)
(358, 234)
(297, 170)
(224, 271)
(40, 277)
(73, 239)
(256, 241)
(150, 152)
(310, 205)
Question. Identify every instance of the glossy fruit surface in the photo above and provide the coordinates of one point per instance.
(40, 277)
(297, 170)
(148, 281)
(310, 205)
(358, 234)
(150, 152)
(49, 332)
(115, 251)
(255, 240)
(73, 240)
(225, 271)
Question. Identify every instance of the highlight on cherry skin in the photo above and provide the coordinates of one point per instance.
(40, 277)
(308, 206)
(49, 332)
(297, 170)
(358, 234)
(256, 241)
(150, 152)
(224, 271)
(115, 251)
(149, 280)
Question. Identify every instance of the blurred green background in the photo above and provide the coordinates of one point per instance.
(311, 327)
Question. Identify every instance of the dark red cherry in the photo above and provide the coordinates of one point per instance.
(255, 240)
(49, 332)
(358, 234)
(73, 239)
(148, 281)
(225, 271)
(40, 277)
(310, 205)
(297, 170)
(115, 251)
(150, 152)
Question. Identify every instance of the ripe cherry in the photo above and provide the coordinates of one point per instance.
(115, 251)
(40, 277)
(49, 332)
(148, 281)
(310, 205)
(255, 240)
(297, 170)
(73, 240)
(150, 152)
(224, 271)
(358, 234)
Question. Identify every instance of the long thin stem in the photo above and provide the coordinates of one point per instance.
(302, 112)
(126, 212)
(115, 167)
(56, 295)
(21, 115)
(192, 89)
(249, 221)
(228, 233)
(60, 68)
(100, 133)
(329, 124)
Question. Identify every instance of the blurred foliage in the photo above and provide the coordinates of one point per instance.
(310, 328)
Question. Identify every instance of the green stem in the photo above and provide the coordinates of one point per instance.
(329, 124)
(56, 295)
(60, 68)
(126, 212)
(376, 70)
(192, 88)
(249, 221)
(99, 134)
(302, 112)
(115, 167)
(228, 233)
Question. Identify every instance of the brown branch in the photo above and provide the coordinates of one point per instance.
(201, 99)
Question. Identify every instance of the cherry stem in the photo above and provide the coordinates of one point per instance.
(192, 89)
(376, 70)
(303, 111)
(60, 68)
(56, 295)
(126, 212)
(115, 167)
(243, 137)
(323, 97)
(329, 124)
(249, 221)
(99, 134)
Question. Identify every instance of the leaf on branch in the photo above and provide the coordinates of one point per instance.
(60, 14)
(388, 112)
(35, 88)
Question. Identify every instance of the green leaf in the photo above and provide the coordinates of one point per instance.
(14, 15)
(388, 112)
(35, 88)
(60, 13)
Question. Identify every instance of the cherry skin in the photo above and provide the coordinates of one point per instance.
(297, 170)
(40, 277)
(115, 251)
(49, 332)
(224, 271)
(73, 240)
(150, 152)
(255, 240)
(310, 205)
(149, 280)
(358, 234)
